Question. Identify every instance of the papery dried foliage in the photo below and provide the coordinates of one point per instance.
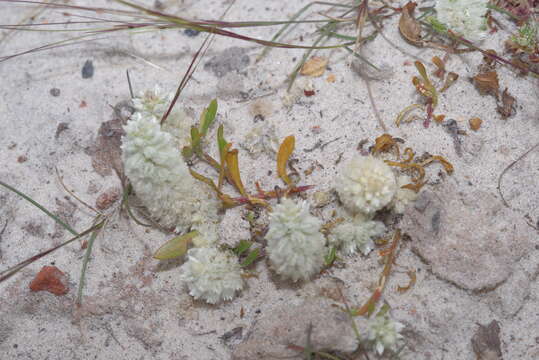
(314, 67)
(487, 83)
(508, 105)
(409, 27)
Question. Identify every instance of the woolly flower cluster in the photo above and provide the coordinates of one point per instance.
(465, 17)
(154, 103)
(295, 246)
(384, 333)
(356, 234)
(366, 185)
(211, 275)
(161, 179)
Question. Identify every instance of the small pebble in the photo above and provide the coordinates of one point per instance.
(191, 32)
(22, 159)
(55, 92)
(88, 69)
(50, 279)
(475, 123)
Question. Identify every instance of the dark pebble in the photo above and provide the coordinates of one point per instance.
(88, 69)
(55, 92)
(191, 32)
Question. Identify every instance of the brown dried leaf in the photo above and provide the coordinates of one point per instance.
(508, 108)
(314, 67)
(486, 342)
(487, 83)
(385, 143)
(285, 150)
(409, 27)
(449, 80)
(440, 72)
(234, 168)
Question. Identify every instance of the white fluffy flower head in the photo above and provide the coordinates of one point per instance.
(211, 275)
(152, 102)
(384, 333)
(295, 247)
(161, 179)
(366, 185)
(465, 17)
(356, 234)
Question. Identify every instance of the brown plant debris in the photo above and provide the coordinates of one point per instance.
(507, 107)
(486, 342)
(487, 83)
(314, 67)
(409, 27)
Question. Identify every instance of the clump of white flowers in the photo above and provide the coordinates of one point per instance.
(366, 185)
(384, 333)
(403, 196)
(211, 275)
(465, 17)
(356, 234)
(155, 103)
(160, 177)
(296, 248)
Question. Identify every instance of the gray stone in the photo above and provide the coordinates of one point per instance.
(287, 325)
(470, 240)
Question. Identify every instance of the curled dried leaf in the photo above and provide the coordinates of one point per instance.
(414, 166)
(408, 151)
(285, 150)
(234, 168)
(409, 27)
(449, 80)
(446, 164)
(406, 111)
(385, 143)
(487, 83)
(413, 278)
(508, 108)
(314, 67)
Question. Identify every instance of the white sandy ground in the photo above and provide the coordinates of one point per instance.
(135, 309)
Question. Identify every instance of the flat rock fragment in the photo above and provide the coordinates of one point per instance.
(287, 325)
(470, 240)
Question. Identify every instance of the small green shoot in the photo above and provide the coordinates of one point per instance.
(253, 255)
(242, 247)
(330, 258)
(207, 117)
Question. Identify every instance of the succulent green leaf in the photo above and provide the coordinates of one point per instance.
(175, 247)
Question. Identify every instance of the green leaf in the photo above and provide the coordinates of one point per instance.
(196, 140)
(242, 247)
(175, 247)
(250, 258)
(331, 256)
(187, 152)
(208, 117)
(383, 310)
